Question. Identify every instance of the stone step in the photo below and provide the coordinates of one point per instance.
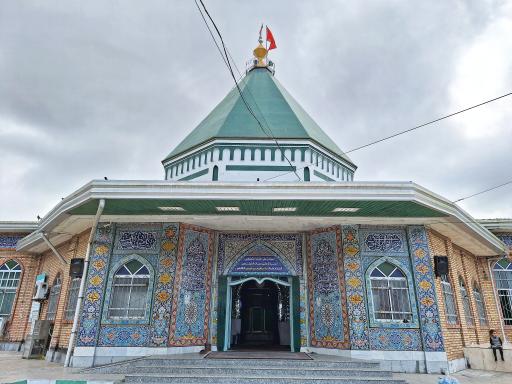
(249, 363)
(239, 379)
(269, 371)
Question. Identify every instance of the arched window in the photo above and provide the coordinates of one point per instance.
(466, 304)
(10, 273)
(53, 301)
(390, 293)
(503, 278)
(307, 176)
(129, 291)
(215, 175)
(449, 301)
(480, 305)
(74, 287)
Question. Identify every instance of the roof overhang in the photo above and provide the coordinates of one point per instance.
(379, 203)
(497, 225)
(18, 226)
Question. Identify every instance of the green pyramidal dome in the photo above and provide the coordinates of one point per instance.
(271, 103)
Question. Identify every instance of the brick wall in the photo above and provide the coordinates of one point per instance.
(473, 270)
(18, 322)
(52, 265)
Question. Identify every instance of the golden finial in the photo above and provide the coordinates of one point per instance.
(260, 52)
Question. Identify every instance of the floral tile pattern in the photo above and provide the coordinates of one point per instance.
(395, 339)
(9, 241)
(327, 307)
(426, 296)
(162, 298)
(192, 288)
(95, 286)
(354, 282)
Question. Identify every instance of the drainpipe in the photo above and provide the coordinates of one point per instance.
(72, 337)
(47, 241)
(498, 306)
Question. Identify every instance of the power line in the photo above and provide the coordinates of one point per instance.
(416, 127)
(484, 191)
(428, 123)
(227, 61)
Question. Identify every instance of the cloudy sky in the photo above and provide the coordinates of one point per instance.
(107, 88)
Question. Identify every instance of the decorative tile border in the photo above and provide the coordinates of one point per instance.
(327, 307)
(192, 288)
(95, 285)
(395, 339)
(506, 238)
(359, 336)
(424, 276)
(162, 299)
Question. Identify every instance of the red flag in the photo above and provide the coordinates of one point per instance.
(270, 39)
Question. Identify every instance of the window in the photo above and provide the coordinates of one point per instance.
(10, 273)
(53, 301)
(129, 291)
(466, 304)
(480, 305)
(215, 175)
(449, 301)
(74, 287)
(307, 176)
(503, 278)
(390, 293)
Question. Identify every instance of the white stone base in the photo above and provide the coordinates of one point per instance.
(11, 346)
(85, 357)
(481, 357)
(395, 361)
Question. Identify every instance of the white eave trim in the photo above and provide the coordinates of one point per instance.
(18, 226)
(350, 190)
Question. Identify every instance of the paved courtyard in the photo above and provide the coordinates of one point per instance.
(13, 368)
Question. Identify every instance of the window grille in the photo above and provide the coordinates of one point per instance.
(449, 301)
(10, 273)
(480, 305)
(466, 304)
(130, 286)
(390, 294)
(53, 301)
(74, 288)
(503, 278)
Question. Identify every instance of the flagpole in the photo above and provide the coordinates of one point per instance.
(266, 43)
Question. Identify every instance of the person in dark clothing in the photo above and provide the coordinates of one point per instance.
(496, 344)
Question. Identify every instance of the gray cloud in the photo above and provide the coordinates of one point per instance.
(93, 89)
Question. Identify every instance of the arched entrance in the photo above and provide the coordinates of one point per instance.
(259, 313)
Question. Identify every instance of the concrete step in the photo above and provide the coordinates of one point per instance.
(267, 372)
(242, 379)
(255, 363)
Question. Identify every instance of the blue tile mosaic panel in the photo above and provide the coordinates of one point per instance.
(162, 299)
(507, 239)
(354, 282)
(9, 241)
(191, 296)
(137, 238)
(127, 336)
(425, 293)
(235, 246)
(95, 286)
(383, 241)
(327, 307)
(395, 339)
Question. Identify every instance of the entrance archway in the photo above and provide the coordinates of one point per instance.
(260, 312)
